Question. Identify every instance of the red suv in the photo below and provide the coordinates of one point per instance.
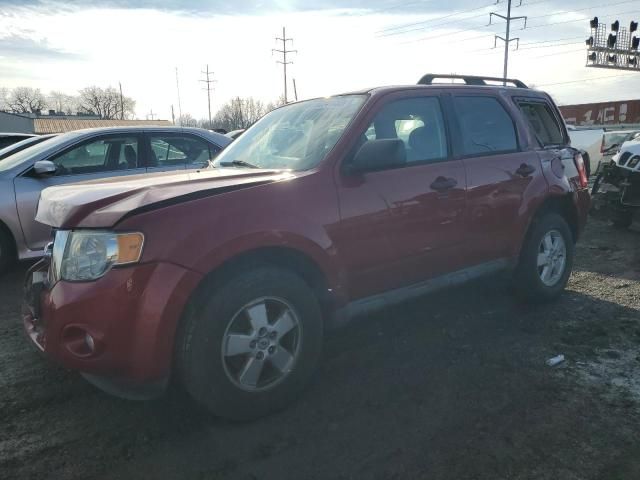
(226, 278)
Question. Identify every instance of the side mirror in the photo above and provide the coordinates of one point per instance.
(44, 167)
(379, 155)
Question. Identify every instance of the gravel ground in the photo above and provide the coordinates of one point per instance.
(451, 386)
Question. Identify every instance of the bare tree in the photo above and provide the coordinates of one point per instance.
(187, 120)
(26, 100)
(105, 102)
(239, 113)
(63, 103)
(4, 98)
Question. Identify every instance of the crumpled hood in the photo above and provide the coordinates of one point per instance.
(102, 203)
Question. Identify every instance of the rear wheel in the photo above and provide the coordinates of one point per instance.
(251, 346)
(546, 260)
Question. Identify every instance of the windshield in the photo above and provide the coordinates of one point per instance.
(294, 137)
(617, 138)
(19, 157)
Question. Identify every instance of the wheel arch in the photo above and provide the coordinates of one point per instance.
(565, 206)
(284, 257)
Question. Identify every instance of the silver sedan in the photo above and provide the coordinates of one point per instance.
(88, 155)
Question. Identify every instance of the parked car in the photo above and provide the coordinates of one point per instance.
(85, 155)
(613, 140)
(233, 134)
(7, 139)
(21, 145)
(616, 191)
(226, 279)
(589, 141)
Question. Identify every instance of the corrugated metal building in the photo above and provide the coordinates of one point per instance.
(42, 124)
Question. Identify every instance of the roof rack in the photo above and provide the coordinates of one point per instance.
(429, 78)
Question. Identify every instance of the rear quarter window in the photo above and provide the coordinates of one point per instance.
(543, 122)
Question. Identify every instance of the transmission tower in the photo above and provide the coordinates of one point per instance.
(284, 61)
(209, 82)
(507, 38)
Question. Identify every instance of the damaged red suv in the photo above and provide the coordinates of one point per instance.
(225, 279)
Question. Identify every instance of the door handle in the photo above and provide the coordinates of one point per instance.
(525, 170)
(441, 184)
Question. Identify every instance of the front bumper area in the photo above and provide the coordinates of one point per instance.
(120, 327)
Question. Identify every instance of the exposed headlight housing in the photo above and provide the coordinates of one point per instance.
(86, 255)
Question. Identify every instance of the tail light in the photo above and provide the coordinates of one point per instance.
(582, 170)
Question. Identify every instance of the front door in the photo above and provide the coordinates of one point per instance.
(403, 224)
(100, 157)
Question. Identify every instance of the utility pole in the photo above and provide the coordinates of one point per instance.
(208, 81)
(507, 38)
(179, 104)
(173, 116)
(284, 62)
(151, 114)
(121, 102)
(295, 89)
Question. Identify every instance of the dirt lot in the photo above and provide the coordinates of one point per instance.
(451, 386)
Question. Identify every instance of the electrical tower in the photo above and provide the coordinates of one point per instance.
(208, 81)
(507, 38)
(617, 50)
(284, 61)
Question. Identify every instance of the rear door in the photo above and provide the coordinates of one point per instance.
(403, 224)
(177, 151)
(99, 157)
(500, 173)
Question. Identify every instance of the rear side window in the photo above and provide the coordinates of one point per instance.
(543, 122)
(485, 125)
(178, 150)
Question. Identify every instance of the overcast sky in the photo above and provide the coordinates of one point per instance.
(342, 46)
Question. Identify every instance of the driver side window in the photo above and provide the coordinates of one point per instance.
(418, 122)
(102, 155)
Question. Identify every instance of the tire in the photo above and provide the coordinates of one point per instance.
(216, 381)
(622, 220)
(532, 282)
(7, 255)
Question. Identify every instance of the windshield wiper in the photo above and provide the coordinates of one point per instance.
(238, 163)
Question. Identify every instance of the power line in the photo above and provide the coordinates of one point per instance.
(577, 20)
(583, 9)
(585, 80)
(208, 81)
(459, 12)
(392, 7)
(432, 37)
(389, 34)
(284, 61)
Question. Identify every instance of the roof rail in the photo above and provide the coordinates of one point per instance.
(429, 78)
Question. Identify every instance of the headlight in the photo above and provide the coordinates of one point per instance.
(86, 255)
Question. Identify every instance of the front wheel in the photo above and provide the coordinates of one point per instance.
(546, 260)
(252, 345)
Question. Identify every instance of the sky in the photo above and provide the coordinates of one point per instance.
(342, 46)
